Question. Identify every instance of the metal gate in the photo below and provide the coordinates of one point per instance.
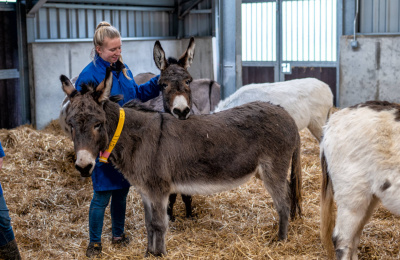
(289, 39)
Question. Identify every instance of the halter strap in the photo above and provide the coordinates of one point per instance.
(104, 155)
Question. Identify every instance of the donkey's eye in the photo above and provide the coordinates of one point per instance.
(97, 126)
(163, 86)
(188, 82)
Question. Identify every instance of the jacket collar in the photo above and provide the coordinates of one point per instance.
(117, 66)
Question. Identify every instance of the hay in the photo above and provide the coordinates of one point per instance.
(49, 204)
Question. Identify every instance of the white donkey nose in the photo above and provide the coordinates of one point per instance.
(85, 162)
(180, 107)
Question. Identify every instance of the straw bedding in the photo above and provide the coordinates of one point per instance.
(49, 205)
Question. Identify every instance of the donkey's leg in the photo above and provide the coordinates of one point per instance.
(170, 209)
(187, 199)
(364, 221)
(351, 218)
(147, 219)
(275, 182)
(315, 128)
(158, 225)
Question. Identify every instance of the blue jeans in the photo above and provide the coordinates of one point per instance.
(98, 207)
(6, 231)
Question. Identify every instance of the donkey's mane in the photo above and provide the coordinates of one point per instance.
(172, 60)
(138, 105)
(91, 86)
(116, 98)
(88, 87)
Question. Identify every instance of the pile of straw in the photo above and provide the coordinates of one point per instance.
(49, 204)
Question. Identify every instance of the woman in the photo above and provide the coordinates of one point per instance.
(8, 244)
(107, 181)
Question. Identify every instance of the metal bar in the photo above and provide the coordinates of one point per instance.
(315, 29)
(320, 31)
(251, 33)
(23, 64)
(203, 11)
(110, 7)
(7, 7)
(298, 31)
(91, 39)
(257, 34)
(258, 63)
(312, 63)
(326, 31)
(333, 28)
(277, 67)
(339, 32)
(380, 33)
(308, 24)
(257, 1)
(9, 74)
(187, 6)
(167, 3)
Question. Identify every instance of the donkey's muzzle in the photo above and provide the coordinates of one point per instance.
(85, 171)
(181, 114)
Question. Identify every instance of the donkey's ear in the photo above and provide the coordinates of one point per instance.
(187, 58)
(67, 86)
(104, 88)
(159, 56)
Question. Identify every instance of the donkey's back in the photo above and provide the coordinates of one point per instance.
(307, 100)
(230, 143)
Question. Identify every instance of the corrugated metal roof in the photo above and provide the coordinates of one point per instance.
(64, 20)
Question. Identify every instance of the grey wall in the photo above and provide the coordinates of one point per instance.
(50, 60)
(369, 72)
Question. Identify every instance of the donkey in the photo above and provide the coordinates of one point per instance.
(206, 95)
(175, 80)
(176, 95)
(308, 100)
(204, 154)
(360, 158)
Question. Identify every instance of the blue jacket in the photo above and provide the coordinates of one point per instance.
(2, 154)
(105, 176)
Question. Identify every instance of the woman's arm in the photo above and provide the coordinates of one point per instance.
(148, 90)
(2, 154)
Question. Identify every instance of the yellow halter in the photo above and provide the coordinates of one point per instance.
(104, 155)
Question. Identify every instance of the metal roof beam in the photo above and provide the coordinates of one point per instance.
(35, 8)
(110, 7)
(187, 6)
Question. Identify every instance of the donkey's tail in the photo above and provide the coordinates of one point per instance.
(295, 183)
(327, 208)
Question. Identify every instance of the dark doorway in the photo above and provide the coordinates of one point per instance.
(253, 74)
(10, 114)
(327, 75)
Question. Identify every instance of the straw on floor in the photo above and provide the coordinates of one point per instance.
(49, 204)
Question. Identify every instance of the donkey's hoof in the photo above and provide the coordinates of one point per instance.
(155, 254)
(191, 216)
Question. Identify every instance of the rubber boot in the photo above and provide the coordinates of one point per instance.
(10, 251)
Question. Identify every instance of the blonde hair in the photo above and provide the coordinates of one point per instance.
(103, 30)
